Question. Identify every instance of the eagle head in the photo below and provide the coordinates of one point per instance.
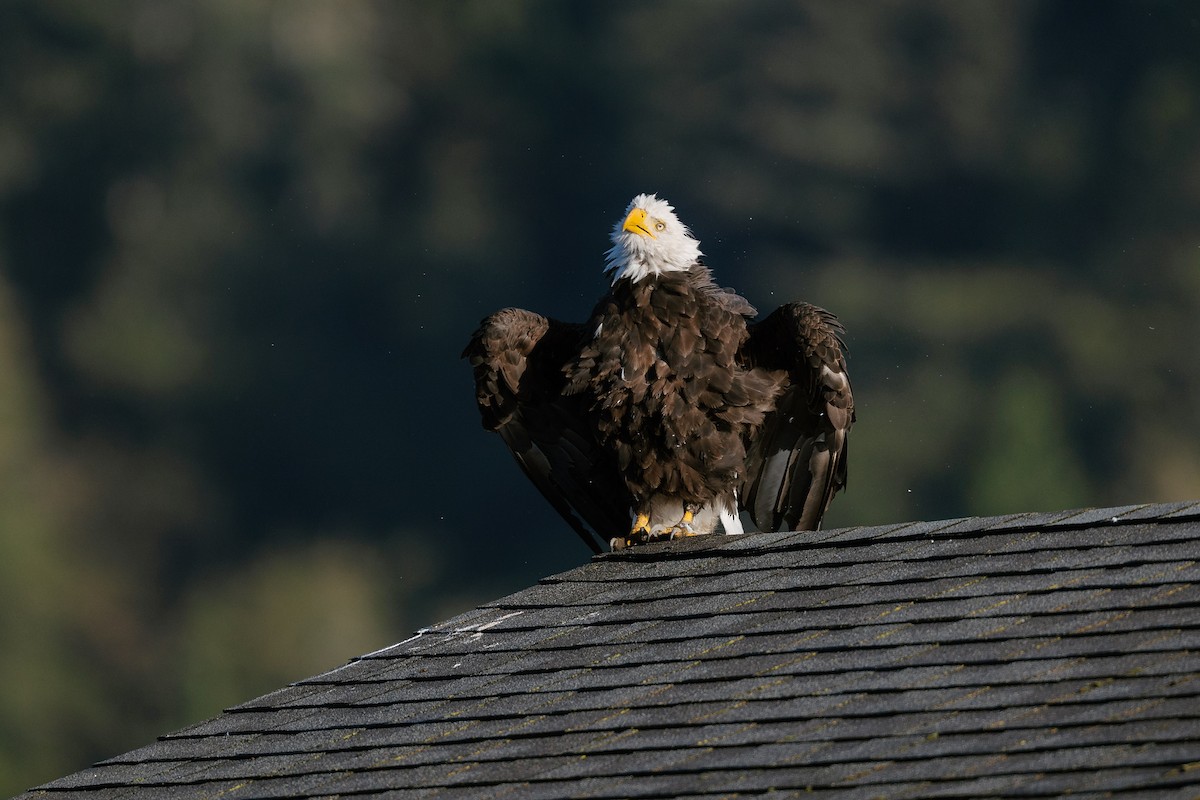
(650, 240)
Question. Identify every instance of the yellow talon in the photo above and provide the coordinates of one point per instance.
(639, 533)
(684, 526)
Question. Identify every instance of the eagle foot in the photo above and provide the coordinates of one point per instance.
(639, 534)
(683, 528)
(682, 531)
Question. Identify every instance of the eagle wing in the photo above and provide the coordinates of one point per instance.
(518, 357)
(797, 461)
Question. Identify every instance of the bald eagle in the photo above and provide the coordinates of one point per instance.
(669, 413)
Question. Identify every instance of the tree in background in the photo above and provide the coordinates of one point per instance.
(241, 246)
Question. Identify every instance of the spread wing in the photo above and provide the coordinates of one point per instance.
(518, 358)
(798, 460)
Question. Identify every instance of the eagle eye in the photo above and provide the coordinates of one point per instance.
(660, 226)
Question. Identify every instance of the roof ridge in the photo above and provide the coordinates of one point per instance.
(750, 544)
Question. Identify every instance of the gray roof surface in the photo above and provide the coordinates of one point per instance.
(1027, 655)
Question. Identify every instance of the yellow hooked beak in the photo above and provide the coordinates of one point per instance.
(636, 223)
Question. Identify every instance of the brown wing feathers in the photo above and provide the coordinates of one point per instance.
(518, 357)
(798, 460)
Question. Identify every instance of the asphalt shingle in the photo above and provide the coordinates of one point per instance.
(1031, 654)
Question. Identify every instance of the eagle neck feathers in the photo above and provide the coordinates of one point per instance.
(635, 258)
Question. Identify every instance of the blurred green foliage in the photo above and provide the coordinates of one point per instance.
(242, 243)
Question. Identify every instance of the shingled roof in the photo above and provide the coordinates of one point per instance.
(1030, 655)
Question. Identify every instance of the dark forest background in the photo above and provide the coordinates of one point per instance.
(243, 243)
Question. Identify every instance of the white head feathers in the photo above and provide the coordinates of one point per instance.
(650, 240)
